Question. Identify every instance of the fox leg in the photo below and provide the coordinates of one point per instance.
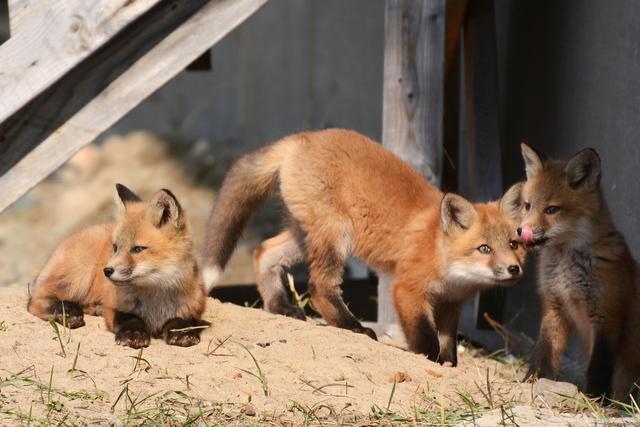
(601, 366)
(183, 338)
(130, 330)
(552, 340)
(46, 306)
(446, 319)
(416, 319)
(271, 260)
(326, 264)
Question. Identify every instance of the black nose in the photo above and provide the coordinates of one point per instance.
(513, 269)
(519, 231)
(108, 271)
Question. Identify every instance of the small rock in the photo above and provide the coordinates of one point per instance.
(237, 375)
(553, 393)
(433, 373)
(400, 377)
(248, 410)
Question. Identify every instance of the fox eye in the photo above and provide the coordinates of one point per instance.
(550, 210)
(484, 249)
(138, 249)
(513, 244)
(527, 206)
(115, 248)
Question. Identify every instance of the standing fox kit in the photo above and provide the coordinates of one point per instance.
(588, 281)
(346, 195)
(139, 271)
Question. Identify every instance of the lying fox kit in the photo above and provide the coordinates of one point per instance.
(345, 195)
(139, 273)
(588, 281)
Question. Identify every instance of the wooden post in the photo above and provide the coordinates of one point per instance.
(413, 97)
(480, 159)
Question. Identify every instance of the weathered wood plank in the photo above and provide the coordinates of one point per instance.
(413, 96)
(481, 159)
(89, 106)
(54, 36)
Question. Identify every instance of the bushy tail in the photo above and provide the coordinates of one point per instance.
(251, 179)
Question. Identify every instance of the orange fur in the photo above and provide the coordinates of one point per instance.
(154, 279)
(346, 195)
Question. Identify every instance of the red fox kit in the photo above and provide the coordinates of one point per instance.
(139, 272)
(588, 281)
(345, 195)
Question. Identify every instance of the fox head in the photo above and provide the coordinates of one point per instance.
(481, 242)
(559, 198)
(151, 242)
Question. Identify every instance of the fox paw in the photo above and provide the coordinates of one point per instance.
(134, 338)
(367, 331)
(67, 313)
(182, 339)
(294, 312)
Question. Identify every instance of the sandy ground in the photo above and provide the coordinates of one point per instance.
(302, 373)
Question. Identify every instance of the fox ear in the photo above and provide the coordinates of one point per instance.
(533, 161)
(164, 209)
(511, 201)
(122, 197)
(456, 213)
(583, 169)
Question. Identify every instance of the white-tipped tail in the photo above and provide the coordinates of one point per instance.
(210, 276)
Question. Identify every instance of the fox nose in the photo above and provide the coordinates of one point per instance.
(519, 231)
(513, 269)
(108, 271)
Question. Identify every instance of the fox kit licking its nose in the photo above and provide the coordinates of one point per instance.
(139, 272)
(346, 195)
(587, 279)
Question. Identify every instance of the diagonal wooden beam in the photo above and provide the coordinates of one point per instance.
(109, 84)
(52, 37)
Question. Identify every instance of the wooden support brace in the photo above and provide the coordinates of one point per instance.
(104, 87)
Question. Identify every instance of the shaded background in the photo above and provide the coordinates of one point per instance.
(568, 79)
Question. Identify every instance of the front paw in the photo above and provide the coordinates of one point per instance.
(134, 338)
(182, 339)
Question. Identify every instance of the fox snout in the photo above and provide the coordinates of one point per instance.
(117, 274)
(509, 273)
(532, 238)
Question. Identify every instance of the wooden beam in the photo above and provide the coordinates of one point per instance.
(413, 96)
(481, 158)
(57, 36)
(102, 90)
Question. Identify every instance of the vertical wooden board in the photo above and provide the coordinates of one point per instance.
(480, 158)
(413, 96)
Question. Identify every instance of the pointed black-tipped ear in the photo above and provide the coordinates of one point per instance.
(124, 196)
(456, 213)
(165, 209)
(533, 161)
(511, 201)
(583, 169)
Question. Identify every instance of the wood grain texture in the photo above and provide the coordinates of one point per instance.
(98, 93)
(413, 96)
(52, 38)
(481, 158)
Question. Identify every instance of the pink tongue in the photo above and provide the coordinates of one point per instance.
(527, 235)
